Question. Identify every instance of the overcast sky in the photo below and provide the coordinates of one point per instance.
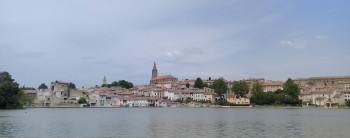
(80, 41)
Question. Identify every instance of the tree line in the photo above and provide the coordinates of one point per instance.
(11, 95)
(287, 96)
(121, 83)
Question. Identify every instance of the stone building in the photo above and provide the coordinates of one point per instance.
(60, 90)
(272, 85)
(324, 91)
(165, 80)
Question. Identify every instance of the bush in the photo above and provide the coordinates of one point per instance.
(348, 103)
(222, 102)
(82, 100)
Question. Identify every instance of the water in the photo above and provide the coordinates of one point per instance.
(175, 122)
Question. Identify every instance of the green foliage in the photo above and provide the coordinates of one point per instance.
(27, 88)
(187, 85)
(72, 85)
(121, 83)
(198, 83)
(219, 86)
(104, 85)
(292, 89)
(240, 88)
(82, 100)
(287, 96)
(179, 100)
(11, 95)
(114, 83)
(188, 100)
(348, 103)
(26, 100)
(257, 88)
(42, 86)
(205, 101)
(125, 84)
(222, 102)
(205, 85)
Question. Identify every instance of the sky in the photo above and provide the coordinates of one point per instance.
(80, 41)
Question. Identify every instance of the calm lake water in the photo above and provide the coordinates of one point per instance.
(175, 122)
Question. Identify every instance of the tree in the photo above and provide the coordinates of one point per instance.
(104, 85)
(72, 85)
(219, 86)
(240, 88)
(257, 87)
(198, 83)
(114, 83)
(82, 100)
(121, 83)
(188, 100)
(292, 90)
(10, 93)
(348, 103)
(125, 84)
(42, 86)
(187, 85)
(205, 85)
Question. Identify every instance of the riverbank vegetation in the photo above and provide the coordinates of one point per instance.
(287, 96)
(11, 95)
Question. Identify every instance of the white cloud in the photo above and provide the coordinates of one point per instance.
(173, 54)
(294, 43)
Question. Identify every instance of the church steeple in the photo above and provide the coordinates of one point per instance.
(104, 80)
(154, 70)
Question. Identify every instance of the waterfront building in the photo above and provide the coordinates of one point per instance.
(272, 85)
(234, 100)
(324, 91)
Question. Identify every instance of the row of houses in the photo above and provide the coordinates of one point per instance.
(165, 90)
(326, 92)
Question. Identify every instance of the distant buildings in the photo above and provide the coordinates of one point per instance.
(324, 91)
(167, 90)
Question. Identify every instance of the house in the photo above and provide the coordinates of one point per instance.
(272, 85)
(235, 100)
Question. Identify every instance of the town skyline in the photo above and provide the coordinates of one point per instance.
(43, 42)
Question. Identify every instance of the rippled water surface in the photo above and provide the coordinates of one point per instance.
(175, 122)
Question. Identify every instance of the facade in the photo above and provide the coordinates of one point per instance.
(272, 85)
(235, 100)
(324, 91)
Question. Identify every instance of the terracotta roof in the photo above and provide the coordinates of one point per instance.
(305, 93)
(325, 77)
(164, 77)
(273, 83)
(29, 91)
(138, 98)
(61, 82)
(124, 92)
(321, 92)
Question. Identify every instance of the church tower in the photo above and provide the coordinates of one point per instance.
(104, 80)
(154, 71)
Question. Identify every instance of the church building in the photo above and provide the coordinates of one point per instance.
(160, 79)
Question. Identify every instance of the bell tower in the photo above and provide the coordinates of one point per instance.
(154, 70)
(104, 80)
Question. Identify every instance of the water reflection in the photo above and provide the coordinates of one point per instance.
(175, 122)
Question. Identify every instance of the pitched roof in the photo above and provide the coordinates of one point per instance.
(273, 83)
(164, 77)
(29, 91)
